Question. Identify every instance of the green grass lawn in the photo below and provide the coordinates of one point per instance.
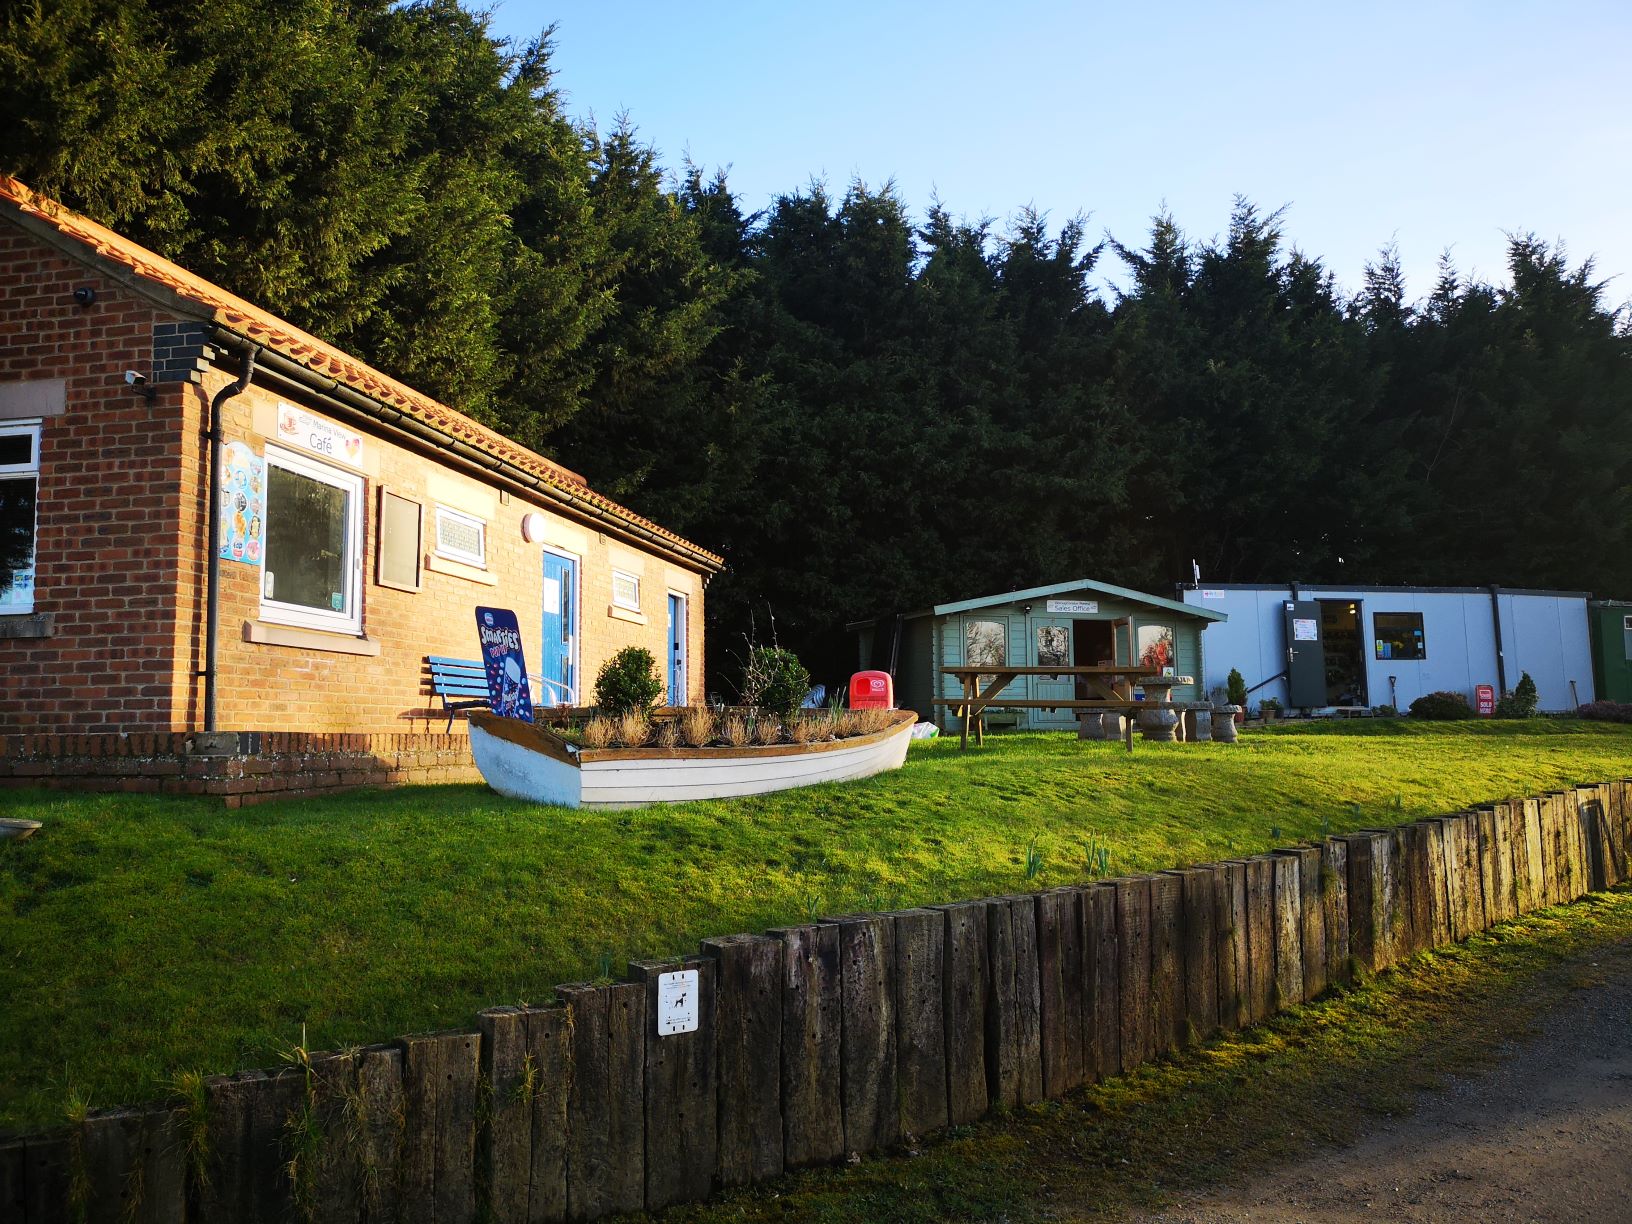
(140, 936)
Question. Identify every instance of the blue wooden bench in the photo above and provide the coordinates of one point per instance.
(461, 683)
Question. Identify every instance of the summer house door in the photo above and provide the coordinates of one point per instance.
(1051, 647)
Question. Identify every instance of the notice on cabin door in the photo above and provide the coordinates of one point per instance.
(552, 597)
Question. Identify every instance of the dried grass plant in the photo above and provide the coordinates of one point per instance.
(634, 729)
(599, 732)
(734, 730)
(697, 726)
(803, 730)
(766, 729)
(668, 734)
(867, 722)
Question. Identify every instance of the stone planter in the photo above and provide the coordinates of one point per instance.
(1198, 724)
(1158, 724)
(1090, 725)
(1225, 718)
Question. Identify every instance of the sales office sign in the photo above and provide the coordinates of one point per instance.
(297, 427)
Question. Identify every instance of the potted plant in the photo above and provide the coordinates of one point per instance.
(1235, 689)
(1270, 709)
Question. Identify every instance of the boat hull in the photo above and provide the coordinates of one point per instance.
(526, 762)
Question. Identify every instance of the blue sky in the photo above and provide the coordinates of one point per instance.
(1434, 124)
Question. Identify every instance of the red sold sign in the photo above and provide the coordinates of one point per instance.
(1484, 699)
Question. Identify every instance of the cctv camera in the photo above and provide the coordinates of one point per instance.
(135, 379)
(85, 295)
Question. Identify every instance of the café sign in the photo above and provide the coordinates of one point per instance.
(297, 427)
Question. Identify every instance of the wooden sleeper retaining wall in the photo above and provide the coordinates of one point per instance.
(841, 1037)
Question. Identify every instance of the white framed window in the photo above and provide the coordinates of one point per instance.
(461, 537)
(313, 571)
(625, 590)
(19, 498)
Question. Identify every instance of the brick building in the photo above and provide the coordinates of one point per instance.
(360, 521)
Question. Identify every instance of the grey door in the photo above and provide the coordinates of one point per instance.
(1305, 655)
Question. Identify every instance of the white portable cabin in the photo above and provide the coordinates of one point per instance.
(1313, 647)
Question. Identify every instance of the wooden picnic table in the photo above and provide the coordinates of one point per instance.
(1111, 685)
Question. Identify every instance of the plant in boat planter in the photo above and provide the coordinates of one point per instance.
(773, 679)
(696, 726)
(628, 681)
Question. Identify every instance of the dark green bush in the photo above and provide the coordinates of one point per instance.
(1236, 688)
(773, 679)
(629, 680)
(1441, 707)
(1521, 702)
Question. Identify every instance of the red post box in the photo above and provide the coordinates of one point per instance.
(872, 690)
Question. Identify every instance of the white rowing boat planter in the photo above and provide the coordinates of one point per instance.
(528, 761)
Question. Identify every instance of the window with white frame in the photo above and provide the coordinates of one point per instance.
(625, 591)
(19, 494)
(461, 537)
(313, 570)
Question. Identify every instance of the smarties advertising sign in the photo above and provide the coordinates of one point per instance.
(507, 692)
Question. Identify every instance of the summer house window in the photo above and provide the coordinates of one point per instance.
(1399, 635)
(461, 537)
(313, 570)
(19, 493)
(625, 591)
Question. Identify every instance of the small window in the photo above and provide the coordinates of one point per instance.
(19, 493)
(1399, 635)
(401, 521)
(1157, 648)
(985, 643)
(625, 591)
(1626, 623)
(313, 570)
(461, 537)
(1053, 646)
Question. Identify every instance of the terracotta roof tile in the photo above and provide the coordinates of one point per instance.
(249, 321)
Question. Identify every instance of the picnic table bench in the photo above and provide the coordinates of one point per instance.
(1111, 685)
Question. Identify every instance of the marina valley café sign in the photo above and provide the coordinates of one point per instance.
(296, 427)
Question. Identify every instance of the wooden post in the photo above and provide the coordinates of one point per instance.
(526, 1063)
(1230, 927)
(812, 1024)
(1536, 854)
(13, 1180)
(1199, 898)
(681, 1110)
(1593, 856)
(248, 1175)
(1289, 986)
(1167, 1001)
(1415, 852)
(1483, 825)
(332, 1176)
(1059, 974)
(1133, 969)
(441, 1073)
(920, 1019)
(1499, 905)
(134, 1167)
(1439, 905)
(1456, 906)
(1260, 937)
(1102, 1055)
(46, 1174)
(1473, 870)
(1334, 896)
(606, 1108)
(748, 1056)
(1014, 1020)
(872, 1113)
(965, 980)
(1367, 931)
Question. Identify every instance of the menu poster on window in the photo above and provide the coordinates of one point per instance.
(243, 503)
(507, 692)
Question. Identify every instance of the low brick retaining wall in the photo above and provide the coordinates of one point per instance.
(242, 767)
(843, 1036)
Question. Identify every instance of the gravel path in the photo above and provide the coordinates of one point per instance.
(1545, 1136)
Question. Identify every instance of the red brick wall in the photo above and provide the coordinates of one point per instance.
(121, 549)
(109, 537)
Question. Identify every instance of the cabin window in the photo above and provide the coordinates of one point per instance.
(1156, 648)
(625, 591)
(19, 493)
(398, 553)
(1053, 646)
(985, 643)
(313, 570)
(461, 537)
(1399, 635)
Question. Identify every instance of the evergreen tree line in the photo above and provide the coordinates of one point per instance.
(863, 414)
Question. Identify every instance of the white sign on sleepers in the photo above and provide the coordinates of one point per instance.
(677, 1003)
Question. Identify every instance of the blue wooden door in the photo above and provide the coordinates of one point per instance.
(677, 649)
(559, 632)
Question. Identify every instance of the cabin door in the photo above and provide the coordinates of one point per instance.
(1051, 647)
(558, 662)
(1305, 655)
(677, 649)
